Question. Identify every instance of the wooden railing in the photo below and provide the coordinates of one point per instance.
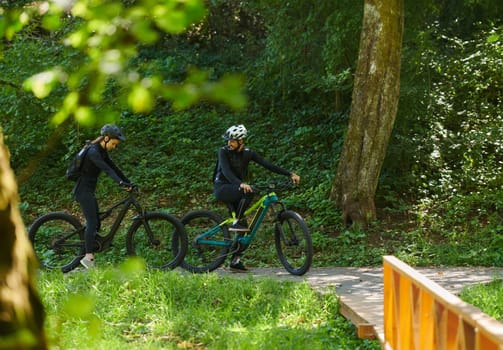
(421, 315)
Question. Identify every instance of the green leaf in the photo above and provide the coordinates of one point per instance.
(79, 306)
(493, 38)
(41, 84)
(143, 32)
(80, 9)
(140, 99)
(133, 265)
(77, 39)
(185, 96)
(84, 115)
(175, 16)
(230, 90)
(51, 22)
(71, 101)
(59, 117)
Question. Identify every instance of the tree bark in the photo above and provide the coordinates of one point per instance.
(21, 312)
(373, 111)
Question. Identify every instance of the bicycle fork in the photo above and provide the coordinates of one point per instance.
(292, 240)
(289, 238)
(148, 229)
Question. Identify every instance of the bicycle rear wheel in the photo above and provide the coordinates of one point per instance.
(293, 243)
(58, 241)
(205, 257)
(159, 238)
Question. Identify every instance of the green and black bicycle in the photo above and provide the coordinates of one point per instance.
(210, 242)
(157, 237)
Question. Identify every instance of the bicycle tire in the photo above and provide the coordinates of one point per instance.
(166, 249)
(202, 258)
(293, 243)
(58, 241)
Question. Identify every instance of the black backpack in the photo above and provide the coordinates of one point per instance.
(75, 169)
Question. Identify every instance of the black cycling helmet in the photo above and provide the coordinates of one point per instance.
(235, 132)
(112, 131)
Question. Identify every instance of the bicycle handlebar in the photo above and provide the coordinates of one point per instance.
(273, 186)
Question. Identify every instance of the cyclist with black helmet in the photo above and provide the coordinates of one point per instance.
(95, 161)
(231, 174)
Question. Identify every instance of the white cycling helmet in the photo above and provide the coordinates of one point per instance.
(235, 132)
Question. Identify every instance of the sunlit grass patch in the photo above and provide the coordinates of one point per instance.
(488, 297)
(125, 309)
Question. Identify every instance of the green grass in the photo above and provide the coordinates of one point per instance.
(488, 297)
(130, 308)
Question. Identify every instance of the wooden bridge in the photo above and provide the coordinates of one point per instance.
(414, 312)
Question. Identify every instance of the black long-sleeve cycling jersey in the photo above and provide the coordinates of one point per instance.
(233, 166)
(97, 160)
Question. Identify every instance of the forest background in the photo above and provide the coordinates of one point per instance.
(439, 198)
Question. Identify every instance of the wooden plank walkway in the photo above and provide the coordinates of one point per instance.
(361, 289)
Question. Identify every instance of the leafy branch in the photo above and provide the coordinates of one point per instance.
(108, 34)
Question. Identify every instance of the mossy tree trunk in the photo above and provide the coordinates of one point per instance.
(373, 111)
(21, 312)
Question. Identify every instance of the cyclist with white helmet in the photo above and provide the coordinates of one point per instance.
(230, 178)
(95, 161)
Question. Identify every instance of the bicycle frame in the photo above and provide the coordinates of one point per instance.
(105, 241)
(261, 207)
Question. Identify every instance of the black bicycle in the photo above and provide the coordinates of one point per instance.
(157, 237)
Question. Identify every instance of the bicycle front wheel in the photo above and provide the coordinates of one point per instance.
(293, 243)
(159, 238)
(58, 241)
(205, 257)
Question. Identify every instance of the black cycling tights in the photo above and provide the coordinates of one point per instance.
(234, 197)
(89, 206)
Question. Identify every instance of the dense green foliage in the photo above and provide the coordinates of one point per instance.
(130, 309)
(439, 197)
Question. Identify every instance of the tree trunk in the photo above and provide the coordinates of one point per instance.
(21, 312)
(373, 111)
